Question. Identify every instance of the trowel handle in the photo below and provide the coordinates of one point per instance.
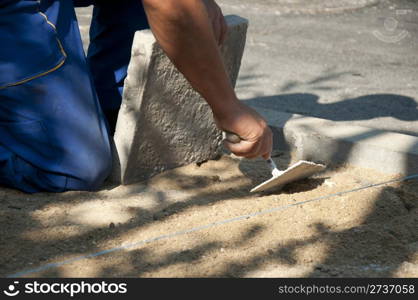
(273, 167)
(234, 138)
(231, 137)
(272, 164)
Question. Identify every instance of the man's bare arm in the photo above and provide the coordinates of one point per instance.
(190, 38)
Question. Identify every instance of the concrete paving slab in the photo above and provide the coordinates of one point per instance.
(333, 143)
(280, 7)
(163, 123)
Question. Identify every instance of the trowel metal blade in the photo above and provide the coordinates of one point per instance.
(298, 171)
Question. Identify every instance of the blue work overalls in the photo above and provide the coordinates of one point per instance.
(54, 101)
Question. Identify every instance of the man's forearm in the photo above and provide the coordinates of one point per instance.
(184, 31)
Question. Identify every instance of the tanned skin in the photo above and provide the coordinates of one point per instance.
(190, 32)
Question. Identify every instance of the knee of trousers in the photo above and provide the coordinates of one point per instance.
(76, 174)
(16, 172)
(90, 173)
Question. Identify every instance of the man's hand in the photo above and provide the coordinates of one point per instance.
(256, 136)
(217, 19)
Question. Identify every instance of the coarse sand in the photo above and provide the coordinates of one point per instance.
(372, 232)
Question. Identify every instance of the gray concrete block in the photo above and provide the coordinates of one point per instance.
(163, 123)
(332, 143)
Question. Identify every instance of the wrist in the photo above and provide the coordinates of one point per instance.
(225, 108)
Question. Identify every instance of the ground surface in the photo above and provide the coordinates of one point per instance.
(340, 66)
(372, 232)
(356, 67)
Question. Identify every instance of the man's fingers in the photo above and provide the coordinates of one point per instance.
(266, 155)
(252, 149)
(265, 149)
(244, 148)
(267, 146)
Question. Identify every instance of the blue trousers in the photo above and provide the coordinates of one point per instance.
(57, 106)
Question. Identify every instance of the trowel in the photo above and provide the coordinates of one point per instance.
(300, 170)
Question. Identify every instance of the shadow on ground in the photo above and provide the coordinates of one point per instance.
(359, 251)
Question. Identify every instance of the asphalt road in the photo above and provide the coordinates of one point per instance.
(331, 61)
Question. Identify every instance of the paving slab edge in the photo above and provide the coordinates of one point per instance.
(332, 143)
(286, 9)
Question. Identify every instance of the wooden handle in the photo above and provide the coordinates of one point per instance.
(232, 137)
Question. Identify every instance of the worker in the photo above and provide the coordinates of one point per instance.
(58, 107)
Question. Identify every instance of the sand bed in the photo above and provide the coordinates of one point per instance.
(371, 232)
